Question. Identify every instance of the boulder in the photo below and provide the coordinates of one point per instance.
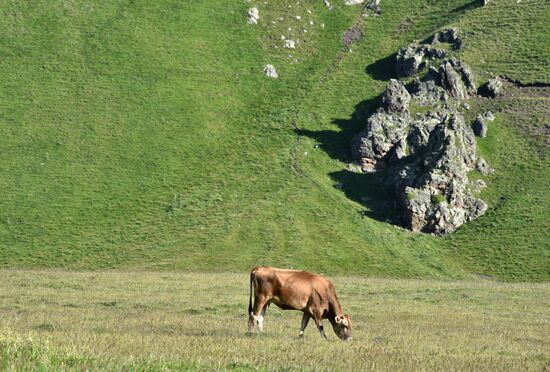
(409, 60)
(480, 127)
(385, 127)
(456, 78)
(494, 87)
(449, 36)
(489, 116)
(395, 99)
(270, 71)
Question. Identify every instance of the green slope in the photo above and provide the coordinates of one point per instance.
(139, 134)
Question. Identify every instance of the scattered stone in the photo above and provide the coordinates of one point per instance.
(353, 2)
(270, 71)
(483, 167)
(489, 116)
(253, 16)
(373, 5)
(479, 127)
(327, 4)
(479, 185)
(289, 44)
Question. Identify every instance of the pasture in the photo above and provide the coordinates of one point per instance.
(117, 320)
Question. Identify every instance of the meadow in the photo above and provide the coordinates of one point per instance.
(116, 320)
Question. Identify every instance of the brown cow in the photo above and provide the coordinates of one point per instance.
(310, 293)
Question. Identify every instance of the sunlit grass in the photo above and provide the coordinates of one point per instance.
(56, 319)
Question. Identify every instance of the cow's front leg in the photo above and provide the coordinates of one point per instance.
(320, 326)
(305, 320)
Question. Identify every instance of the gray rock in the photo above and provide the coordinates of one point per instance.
(327, 4)
(427, 90)
(395, 99)
(480, 127)
(483, 167)
(289, 44)
(270, 71)
(427, 157)
(353, 2)
(379, 136)
(489, 116)
(450, 36)
(456, 78)
(494, 87)
(253, 16)
(409, 60)
(452, 81)
(384, 128)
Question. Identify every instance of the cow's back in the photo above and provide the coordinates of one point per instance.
(293, 288)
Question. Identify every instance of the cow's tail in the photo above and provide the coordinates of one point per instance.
(251, 288)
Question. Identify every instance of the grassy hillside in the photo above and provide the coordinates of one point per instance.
(147, 321)
(144, 134)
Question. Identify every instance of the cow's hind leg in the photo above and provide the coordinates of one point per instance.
(256, 316)
(261, 318)
(305, 320)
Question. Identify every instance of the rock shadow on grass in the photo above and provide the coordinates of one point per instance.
(336, 143)
(383, 69)
(366, 189)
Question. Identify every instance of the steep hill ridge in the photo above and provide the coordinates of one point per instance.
(140, 134)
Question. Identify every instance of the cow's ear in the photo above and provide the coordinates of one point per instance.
(338, 319)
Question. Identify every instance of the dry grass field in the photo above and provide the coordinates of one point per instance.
(157, 321)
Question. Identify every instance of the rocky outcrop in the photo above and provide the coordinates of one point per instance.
(415, 56)
(426, 157)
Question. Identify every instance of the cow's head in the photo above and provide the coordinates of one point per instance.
(342, 327)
